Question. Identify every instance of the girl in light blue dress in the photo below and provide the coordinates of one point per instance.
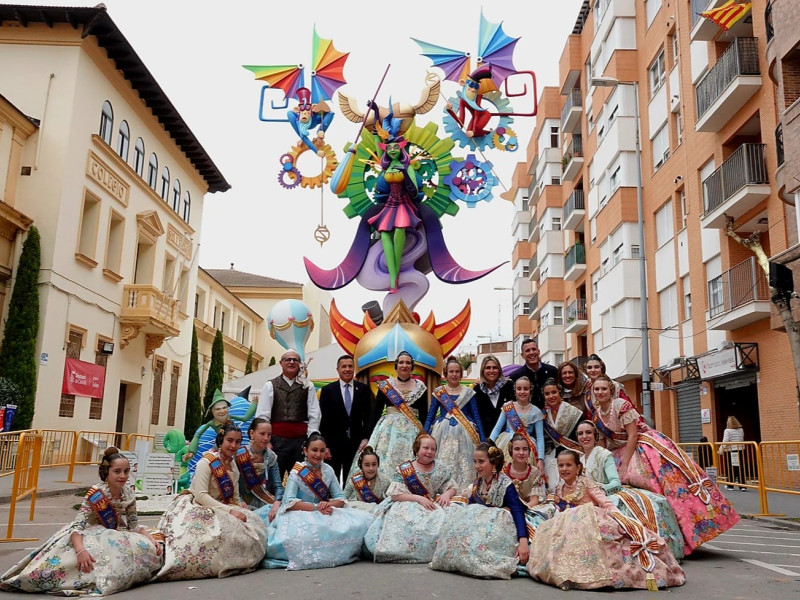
(313, 528)
(524, 418)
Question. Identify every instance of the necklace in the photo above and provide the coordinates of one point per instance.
(403, 380)
(454, 390)
(605, 412)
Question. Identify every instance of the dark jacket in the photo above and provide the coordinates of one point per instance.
(488, 413)
(537, 378)
(335, 421)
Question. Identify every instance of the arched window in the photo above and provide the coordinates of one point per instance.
(152, 171)
(106, 122)
(138, 157)
(124, 141)
(165, 184)
(176, 196)
(187, 206)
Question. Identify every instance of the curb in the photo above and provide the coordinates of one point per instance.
(48, 493)
(774, 521)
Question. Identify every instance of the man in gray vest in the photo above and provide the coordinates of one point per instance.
(292, 408)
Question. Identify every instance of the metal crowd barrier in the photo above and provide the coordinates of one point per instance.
(26, 478)
(9, 441)
(88, 448)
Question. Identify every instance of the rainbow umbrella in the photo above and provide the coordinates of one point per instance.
(454, 63)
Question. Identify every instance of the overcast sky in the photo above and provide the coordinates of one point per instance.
(195, 50)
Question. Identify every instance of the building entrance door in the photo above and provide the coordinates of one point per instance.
(737, 396)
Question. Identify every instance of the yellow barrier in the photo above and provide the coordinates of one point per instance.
(26, 478)
(781, 468)
(138, 437)
(9, 441)
(57, 447)
(88, 448)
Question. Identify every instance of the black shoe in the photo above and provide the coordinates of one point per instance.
(729, 487)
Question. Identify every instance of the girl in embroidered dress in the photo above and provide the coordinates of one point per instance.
(314, 530)
(527, 478)
(209, 530)
(648, 459)
(561, 420)
(481, 540)
(260, 484)
(572, 383)
(651, 509)
(595, 367)
(522, 417)
(454, 423)
(369, 485)
(394, 432)
(103, 550)
(591, 545)
(407, 525)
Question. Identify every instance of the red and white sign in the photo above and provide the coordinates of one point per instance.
(83, 379)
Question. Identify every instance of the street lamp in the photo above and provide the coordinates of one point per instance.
(612, 82)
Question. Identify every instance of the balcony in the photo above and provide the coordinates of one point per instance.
(730, 83)
(574, 262)
(735, 187)
(522, 287)
(148, 310)
(533, 306)
(706, 30)
(520, 225)
(577, 316)
(574, 211)
(533, 226)
(738, 297)
(533, 268)
(572, 161)
(571, 113)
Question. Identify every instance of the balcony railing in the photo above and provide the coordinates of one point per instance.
(532, 264)
(574, 148)
(746, 166)
(768, 21)
(740, 58)
(576, 255)
(779, 144)
(576, 201)
(146, 304)
(740, 285)
(574, 100)
(576, 311)
(533, 303)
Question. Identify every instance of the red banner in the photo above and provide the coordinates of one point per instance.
(83, 379)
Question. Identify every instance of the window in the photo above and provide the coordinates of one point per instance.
(554, 142)
(555, 181)
(124, 140)
(168, 283)
(660, 147)
(790, 71)
(664, 224)
(652, 7)
(715, 302)
(604, 265)
(558, 358)
(173, 395)
(165, 184)
(613, 114)
(558, 315)
(187, 206)
(588, 68)
(176, 196)
(87, 234)
(545, 321)
(96, 404)
(526, 308)
(616, 256)
(687, 298)
(675, 50)
(200, 306)
(657, 73)
(556, 221)
(613, 180)
(634, 250)
(545, 273)
(684, 209)
(152, 171)
(668, 302)
(106, 122)
(679, 126)
(590, 116)
(595, 277)
(526, 270)
(158, 378)
(116, 229)
(138, 157)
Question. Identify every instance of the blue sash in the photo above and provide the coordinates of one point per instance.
(515, 421)
(220, 475)
(251, 479)
(310, 478)
(363, 490)
(561, 440)
(397, 400)
(475, 497)
(411, 479)
(563, 505)
(102, 507)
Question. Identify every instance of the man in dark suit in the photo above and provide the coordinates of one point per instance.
(535, 370)
(346, 405)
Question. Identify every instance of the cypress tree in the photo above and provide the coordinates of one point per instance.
(248, 366)
(216, 372)
(271, 361)
(194, 406)
(18, 349)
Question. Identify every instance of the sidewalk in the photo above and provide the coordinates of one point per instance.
(53, 481)
(746, 503)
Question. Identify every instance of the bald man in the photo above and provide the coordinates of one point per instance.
(292, 408)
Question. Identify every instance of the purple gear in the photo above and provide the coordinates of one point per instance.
(284, 173)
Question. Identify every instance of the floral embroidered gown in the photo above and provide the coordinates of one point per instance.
(481, 539)
(406, 532)
(564, 422)
(311, 540)
(454, 445)
(377, 487)
(650, 508)
(266, 468)
(586, 547)
(533, 419)
(122, 556)
(702, 511)
(203, 538)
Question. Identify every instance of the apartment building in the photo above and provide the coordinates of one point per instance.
(93, 152)
(707, 115)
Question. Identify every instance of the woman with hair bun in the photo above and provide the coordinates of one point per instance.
(104, 550)
(368, 485)
(481, 540)
(314, 529)
(209, 531)
(260, 484)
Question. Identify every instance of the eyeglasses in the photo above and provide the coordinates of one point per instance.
(290, 360)
(473, 84)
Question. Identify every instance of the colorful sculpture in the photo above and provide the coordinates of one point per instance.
(291, 324)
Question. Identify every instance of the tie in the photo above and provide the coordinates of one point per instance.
(348, 399)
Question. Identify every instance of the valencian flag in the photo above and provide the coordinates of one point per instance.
(727, 15)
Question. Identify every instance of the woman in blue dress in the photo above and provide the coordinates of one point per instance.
(482, 540)
(454, 423)
(313, 529)
(524, 418)
(260, 485)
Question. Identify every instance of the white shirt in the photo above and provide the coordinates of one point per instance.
(264, 409)
(351, 383)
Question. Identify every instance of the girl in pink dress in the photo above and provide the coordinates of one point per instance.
(648, 459)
